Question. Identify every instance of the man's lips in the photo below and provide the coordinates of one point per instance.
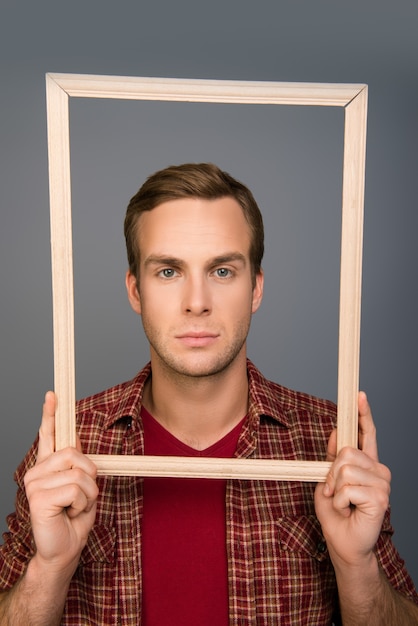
(197, 339)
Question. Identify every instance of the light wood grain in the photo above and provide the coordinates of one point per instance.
(62, 261)
(351, 269)
(191, 90)
(354, 99)
(201, 467)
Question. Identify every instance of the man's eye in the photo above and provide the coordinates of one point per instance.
(167, 272)
(223, 272)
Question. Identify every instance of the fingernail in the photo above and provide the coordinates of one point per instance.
(326, 490)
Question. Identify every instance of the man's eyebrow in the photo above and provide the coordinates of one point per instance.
(162, 259)
(229, 257)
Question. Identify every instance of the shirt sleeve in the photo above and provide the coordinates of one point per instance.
(18, 547)
(391, 562)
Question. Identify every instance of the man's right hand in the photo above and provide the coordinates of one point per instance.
(62, 495)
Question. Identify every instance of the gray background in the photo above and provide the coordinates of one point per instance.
(290, 157)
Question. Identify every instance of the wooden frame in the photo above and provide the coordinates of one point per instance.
(353, 98)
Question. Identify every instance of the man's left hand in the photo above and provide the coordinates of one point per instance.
(352, 502)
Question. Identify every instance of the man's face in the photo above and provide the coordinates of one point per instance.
(196, 296)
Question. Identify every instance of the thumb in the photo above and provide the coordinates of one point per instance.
(46, 445)
(332, 446)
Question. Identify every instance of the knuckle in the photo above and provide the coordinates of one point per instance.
(36, 501)
(383, 500)
(77, 475)
(345, 472)
(387, 474)
(74, 490)
(346, 454)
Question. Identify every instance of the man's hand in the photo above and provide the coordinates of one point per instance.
(352, 502)
(351, 506)
(62, 493)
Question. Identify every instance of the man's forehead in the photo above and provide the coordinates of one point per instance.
(180, 234)
(195, 217)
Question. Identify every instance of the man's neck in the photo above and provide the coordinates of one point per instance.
(198, 411)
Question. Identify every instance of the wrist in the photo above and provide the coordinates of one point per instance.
(53, 574)
(359, 584)
(364, 565)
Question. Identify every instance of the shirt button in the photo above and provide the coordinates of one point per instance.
(321, 547)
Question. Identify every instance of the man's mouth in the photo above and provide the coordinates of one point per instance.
(197, 339)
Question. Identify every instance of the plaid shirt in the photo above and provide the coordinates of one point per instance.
(279, 568)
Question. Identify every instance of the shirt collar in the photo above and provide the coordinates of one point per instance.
(265, 398)
(128, 398)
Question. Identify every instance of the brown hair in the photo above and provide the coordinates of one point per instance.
(192, 180)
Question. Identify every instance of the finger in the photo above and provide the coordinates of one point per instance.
(367, 442)
(74, 497)
(332, 446)
(371, 498)
(363, 472)
(367, 429)
(46, 445)
(352, 467)
(59, 462)
(57, 480)
(56, 489)
(78, 507)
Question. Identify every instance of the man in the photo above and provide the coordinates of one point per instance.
(117, 550)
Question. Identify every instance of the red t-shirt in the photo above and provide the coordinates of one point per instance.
(185, 579)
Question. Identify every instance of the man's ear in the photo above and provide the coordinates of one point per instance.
(258, 290)
(133, 293)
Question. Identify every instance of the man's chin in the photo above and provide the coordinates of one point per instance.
(198, 368)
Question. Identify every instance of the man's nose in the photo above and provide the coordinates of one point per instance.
(196, 297)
